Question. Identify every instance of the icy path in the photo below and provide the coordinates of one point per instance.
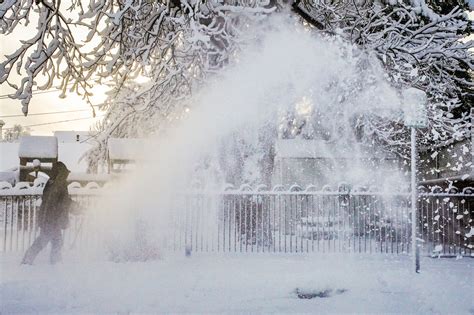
(239, 284)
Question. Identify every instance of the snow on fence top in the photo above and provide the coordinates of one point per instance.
(25, 188)
(126, 149)
(38, 147)
(340, 189)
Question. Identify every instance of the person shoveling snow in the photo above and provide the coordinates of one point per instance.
(53, 215)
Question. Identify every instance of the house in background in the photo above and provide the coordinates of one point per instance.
(71, 136)
(16, 158)
(9, 162)
(451, 164)
(70, 147)
(123, 153)
(319, 162)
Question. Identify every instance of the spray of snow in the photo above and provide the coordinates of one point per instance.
(285, 65)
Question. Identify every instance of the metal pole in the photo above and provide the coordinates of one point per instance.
(414, 214)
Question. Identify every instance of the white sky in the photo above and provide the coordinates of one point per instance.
(50, 102)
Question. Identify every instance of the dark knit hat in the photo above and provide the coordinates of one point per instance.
(59, 168)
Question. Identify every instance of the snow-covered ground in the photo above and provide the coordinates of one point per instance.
(240, 284)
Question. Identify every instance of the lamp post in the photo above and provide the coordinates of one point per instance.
(414, 213)
(415, 118)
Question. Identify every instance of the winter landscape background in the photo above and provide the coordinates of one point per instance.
(250, 157)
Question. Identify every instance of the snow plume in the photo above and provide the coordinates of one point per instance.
(287, 64)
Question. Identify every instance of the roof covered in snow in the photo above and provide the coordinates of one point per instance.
(38, 147)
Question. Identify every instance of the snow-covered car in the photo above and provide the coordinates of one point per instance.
(323, 228)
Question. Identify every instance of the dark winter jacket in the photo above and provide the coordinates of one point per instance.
(54, 210)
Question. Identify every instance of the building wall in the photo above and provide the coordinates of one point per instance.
(319, 163)
(71, 154)
(9, 155)
(447, 162)
(321, 172)
(72, 136)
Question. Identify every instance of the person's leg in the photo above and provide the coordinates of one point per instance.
(40, 242)
(56, 246)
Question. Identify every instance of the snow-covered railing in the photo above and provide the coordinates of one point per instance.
(341, 189)
(36, 188)
(281, 219)
(94, 188)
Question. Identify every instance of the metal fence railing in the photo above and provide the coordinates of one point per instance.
(446, 223)
(18, 222)
(363, 222)
(290, 221)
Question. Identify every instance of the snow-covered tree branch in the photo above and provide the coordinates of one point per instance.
(120, 39)
(420, 44)
(177, 44)
(53, 52)
(183, 49)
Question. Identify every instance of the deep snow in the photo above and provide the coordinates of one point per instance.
(239, 284)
